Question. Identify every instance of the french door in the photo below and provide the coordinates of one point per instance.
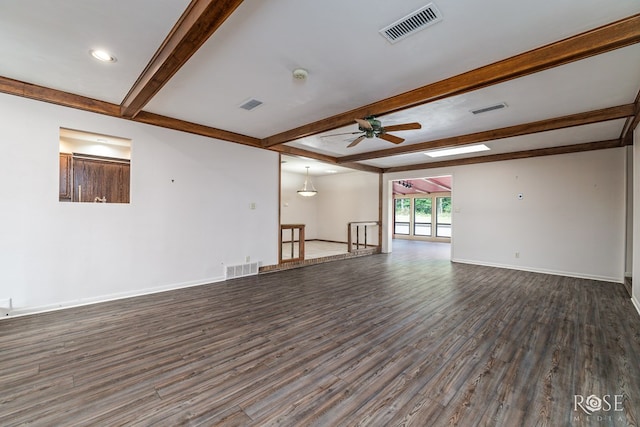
(422, 216)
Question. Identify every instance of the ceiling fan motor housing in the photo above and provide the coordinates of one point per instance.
(376, 127)
(375, 123)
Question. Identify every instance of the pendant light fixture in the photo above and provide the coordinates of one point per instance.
(308, 190)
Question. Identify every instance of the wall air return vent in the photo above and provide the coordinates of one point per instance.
(250, 104)
(490, 108)
(241, 270)
(412, 23)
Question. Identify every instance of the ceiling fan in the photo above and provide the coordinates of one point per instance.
(370, 127)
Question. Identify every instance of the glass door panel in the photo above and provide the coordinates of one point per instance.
(422, 217)
(443, 216)
(401, 216)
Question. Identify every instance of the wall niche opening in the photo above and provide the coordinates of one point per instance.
(94, 168)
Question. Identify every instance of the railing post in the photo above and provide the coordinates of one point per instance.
(293, 228)
(357, 225)
(292, 243)
(365, 236)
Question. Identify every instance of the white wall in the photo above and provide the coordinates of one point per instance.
(172, 234)
(571, 220)
(344, 198)
(636, 221)
(628, 262)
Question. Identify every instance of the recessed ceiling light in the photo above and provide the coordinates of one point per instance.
(458, 150)
(331, 171)
(102, 55)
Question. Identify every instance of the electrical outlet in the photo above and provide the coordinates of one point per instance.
(517, 254)
(247, 259)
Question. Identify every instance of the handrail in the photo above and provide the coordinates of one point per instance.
(358, 224)
(293, 228)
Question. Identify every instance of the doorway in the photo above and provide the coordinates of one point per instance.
(422, 209)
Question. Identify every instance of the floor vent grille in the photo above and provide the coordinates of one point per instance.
(412, 23)
(241, 270)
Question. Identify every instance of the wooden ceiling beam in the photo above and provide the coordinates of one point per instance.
(53, 96)
(626, 138)
(566, 149)
(579, 119)
(594, 42)
(198, 22)
(65, 99)
(293, 151)
(197, 129)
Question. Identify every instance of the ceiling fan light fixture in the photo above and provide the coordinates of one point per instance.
(308, 190)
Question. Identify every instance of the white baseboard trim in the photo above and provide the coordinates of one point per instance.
(543, 271)
(636, 304)
(26, 311)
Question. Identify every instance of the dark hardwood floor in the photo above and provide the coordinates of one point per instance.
(407, 338)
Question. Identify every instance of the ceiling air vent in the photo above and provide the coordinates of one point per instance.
(250, 104)
(489, 108)
(412, 23)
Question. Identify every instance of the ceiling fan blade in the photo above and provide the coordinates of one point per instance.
(364, 124)
(356, 141)
(391, 138)
(404, 126)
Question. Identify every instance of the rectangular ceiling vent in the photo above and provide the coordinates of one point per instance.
(412, 23)
(489, 108)
(250, 104)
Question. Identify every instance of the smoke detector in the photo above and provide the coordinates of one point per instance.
(300, 74)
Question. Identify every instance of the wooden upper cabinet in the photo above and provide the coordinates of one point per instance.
(65, 177)
(92, 179)
(98, 180)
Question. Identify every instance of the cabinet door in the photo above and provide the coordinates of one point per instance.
(65, 177)
(98, 179)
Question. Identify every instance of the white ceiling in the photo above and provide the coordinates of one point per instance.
(253, 53)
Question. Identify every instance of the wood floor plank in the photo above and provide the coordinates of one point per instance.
(406, 338)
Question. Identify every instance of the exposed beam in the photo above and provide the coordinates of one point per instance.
(361, 167)
(437, 184)
(189, 127)
(579, 119)
(626, 137)
(198, 22)
(576, 148)
(294, 151)
(600, 40)
(40, 93)
(65, 99)
(53, 96)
